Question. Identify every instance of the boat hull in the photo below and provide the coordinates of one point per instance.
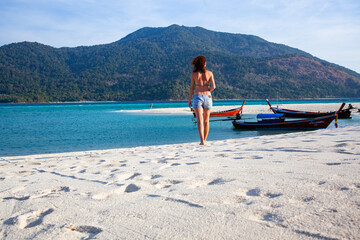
(295, 114)
(228, 113)
(342, 114)
(305, 124)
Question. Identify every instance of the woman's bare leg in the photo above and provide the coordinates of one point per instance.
(206, 123)
(200, 124)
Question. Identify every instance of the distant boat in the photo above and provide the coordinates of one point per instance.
(345, 113)
(277, 122)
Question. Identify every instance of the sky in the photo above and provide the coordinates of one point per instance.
(327, 29)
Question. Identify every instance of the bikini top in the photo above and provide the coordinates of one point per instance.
(202, 85)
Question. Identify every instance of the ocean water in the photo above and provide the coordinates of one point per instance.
(27, 129)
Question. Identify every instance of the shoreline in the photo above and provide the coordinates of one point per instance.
(250, 109)
(101, 151)
(248, 188)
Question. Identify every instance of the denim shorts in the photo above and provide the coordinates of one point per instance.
(202, 101)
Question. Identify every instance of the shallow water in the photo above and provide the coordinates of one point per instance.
(50, 128)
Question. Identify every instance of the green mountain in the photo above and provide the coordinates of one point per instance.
(154, 64)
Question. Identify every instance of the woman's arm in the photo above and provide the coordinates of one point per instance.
(212, 83)
(192, 86)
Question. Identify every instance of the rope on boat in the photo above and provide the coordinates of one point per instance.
(336, 119)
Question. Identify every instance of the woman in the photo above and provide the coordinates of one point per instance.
(202, 81)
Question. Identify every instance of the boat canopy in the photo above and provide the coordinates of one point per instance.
(269, 115)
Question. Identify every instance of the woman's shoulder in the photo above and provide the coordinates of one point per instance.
(194, 74)
(198, 73)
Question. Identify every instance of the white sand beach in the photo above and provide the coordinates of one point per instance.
(300, 185)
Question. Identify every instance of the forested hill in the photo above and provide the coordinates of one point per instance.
(154, 64)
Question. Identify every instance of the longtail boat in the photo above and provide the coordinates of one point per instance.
(226, 113)
(345, 113)
(277, 122)
(235, 112)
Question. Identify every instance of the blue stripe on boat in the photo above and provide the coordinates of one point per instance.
(268, 115)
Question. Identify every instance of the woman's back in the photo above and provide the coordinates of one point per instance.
(202, 81)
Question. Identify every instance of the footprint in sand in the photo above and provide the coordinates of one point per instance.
(278, 161)
(344, 144)
(211, 182)
(92, 231)
(30, 219)
(238, 199)
(271, 217)
(33, 164)
(156, 176)
(273, 195)
(333, 164)
(24, 173)
(321, 183)
(308, 199)
(168, 165)
(268, 218)
(102, 196)
(100, 162)
(128, 176)
(343, 151)
(51, 192)
(130, 188)
(256, 192)
(151, 178)
(192, 163)
(190, 204)
(218, 181)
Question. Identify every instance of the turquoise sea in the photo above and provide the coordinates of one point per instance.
(27, 129)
